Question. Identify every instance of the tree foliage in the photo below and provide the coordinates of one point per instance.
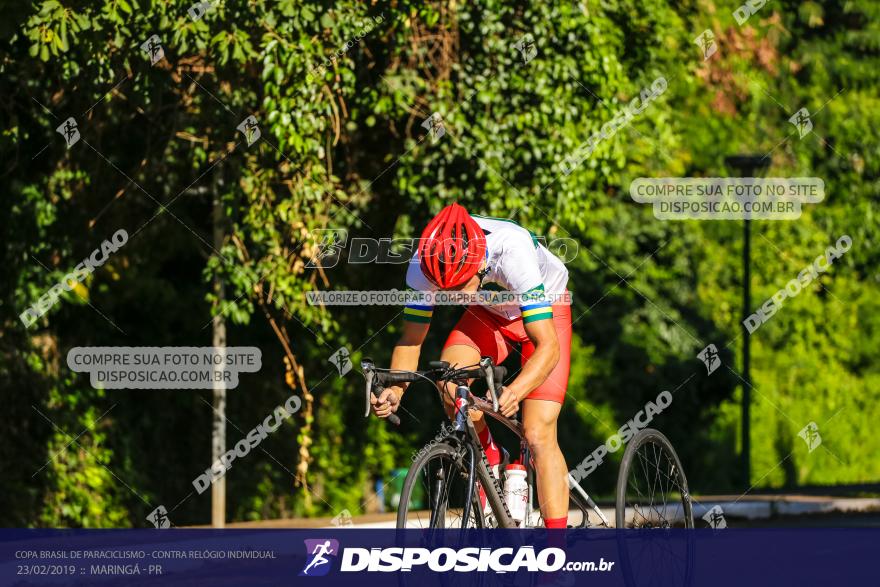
(341, 91)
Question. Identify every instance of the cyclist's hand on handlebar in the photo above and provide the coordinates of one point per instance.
(508, 402)
(386, 404)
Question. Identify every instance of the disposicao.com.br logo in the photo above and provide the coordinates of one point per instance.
(319, 555)
(442, 560)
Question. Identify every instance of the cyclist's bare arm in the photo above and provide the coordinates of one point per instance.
(405, 357)
(536, 370)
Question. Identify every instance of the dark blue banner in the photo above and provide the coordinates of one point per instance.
(734, 557)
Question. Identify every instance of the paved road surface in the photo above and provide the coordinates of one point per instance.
(754, 511)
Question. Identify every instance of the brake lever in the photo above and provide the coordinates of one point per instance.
(367, 366)
(369, 375)
(489, 374)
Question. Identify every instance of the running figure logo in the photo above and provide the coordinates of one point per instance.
(810, 434)
(435, 127)
(69, 131)
(342, 359)
(319, 555)
(710, 358)
(250, 129)
(159, 518)
(715, 518)
(198, 10)
(706, 43)
(527, 48)
(153, 48)
(801, 121)
(329, 249)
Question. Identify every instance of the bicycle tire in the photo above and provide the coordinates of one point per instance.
(643, 437)
(659, 442)
(445, 451)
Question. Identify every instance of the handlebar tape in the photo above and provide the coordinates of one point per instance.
(385, 378)
(390, 378)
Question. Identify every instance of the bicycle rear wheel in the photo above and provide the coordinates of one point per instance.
(652, 493)
(652, 490)
(434, 491)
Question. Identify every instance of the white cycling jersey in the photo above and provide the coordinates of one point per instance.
(517, 263)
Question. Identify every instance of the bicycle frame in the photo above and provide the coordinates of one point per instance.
(463, 423)
(465, 433)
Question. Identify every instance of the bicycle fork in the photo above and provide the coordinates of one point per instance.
(460, 425)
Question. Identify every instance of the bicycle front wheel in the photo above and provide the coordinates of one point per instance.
(434, 490)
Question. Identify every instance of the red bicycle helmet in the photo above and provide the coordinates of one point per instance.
(451, 248)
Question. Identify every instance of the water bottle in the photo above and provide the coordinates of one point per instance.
(496, 469)
(516, 491)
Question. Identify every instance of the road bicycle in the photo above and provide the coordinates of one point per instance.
(442, 488)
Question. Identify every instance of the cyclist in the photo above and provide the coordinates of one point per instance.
(469, 253)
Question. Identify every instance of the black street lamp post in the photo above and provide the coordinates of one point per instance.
(747, 166)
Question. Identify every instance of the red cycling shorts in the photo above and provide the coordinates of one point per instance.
(493, 336)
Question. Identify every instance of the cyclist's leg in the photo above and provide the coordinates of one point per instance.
(539, 425)
(540, 413)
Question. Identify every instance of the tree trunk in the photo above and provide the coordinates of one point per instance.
(218, 430)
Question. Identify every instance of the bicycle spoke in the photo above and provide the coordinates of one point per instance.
(643, 460)
(651, 495)
(660, 500)
(442, 481)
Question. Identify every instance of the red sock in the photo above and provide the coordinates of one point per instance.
(552, 523)
(555, 540)
(493, 455)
